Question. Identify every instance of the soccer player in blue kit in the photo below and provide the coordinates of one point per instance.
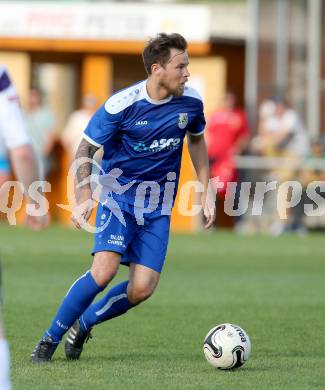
(141, 129)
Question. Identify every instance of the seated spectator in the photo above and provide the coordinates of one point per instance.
(281, 131)
(282, 134)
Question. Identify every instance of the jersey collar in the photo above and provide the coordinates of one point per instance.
(152, 101)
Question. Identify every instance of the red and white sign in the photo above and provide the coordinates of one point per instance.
(102, 21)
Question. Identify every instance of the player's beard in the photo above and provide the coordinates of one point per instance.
(179, 91)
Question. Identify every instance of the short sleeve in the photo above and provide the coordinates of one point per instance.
(12, 122)
(198, 124)
(102, 127)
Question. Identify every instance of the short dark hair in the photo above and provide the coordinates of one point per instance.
(157, 50)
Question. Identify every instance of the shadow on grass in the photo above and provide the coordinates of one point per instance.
(129, 357)
(133, 359)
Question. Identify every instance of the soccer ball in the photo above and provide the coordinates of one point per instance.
(227, 346)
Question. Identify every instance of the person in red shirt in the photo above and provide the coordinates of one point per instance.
(227, 136)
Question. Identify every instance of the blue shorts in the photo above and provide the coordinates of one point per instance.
(141, 244)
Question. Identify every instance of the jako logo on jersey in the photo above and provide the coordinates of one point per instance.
(182, 120)
(141, 123)
(158, 144)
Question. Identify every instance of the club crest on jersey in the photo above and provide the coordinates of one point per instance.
(182, 120)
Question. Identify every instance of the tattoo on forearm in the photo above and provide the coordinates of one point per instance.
(88, 150)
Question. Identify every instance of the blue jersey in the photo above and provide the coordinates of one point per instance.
(143, 137)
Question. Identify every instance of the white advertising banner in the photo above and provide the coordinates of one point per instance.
(102, 21)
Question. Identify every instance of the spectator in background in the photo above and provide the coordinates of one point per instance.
(73, 133)
(307, 175)
(41, 126)
(13, 135)
(281, 131)
(282, 134)
(77, 122)
(259, 144)
(227, 135)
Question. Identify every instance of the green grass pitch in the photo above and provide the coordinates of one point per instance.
(272, 287)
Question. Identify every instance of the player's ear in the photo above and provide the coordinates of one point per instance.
(156, 69)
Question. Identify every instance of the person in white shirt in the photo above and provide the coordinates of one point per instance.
(287, 131)
(283, 134)
(14, 137)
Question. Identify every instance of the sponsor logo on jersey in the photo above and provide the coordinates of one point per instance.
(158, 144)
(182, 120)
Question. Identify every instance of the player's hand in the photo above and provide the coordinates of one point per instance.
(82, 212)
(209, 211)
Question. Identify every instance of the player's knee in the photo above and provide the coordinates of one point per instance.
(102, 277)
(104, 268)
(139, 293)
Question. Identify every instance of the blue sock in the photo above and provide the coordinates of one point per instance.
(78, 298)
(113, 304)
